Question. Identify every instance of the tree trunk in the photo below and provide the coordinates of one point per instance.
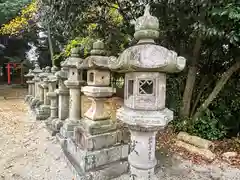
(190, 82)
(50, 43)
(204, 86)
(219, 86)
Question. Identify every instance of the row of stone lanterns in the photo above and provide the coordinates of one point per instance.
(93, 143)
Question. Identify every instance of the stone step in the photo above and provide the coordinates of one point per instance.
(105, 172)
(89, 160)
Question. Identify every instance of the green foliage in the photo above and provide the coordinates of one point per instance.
(85, 43)
(227, 107)
(10, 8)
(207, 127)
(222, 117)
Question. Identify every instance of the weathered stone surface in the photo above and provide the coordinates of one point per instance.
(195, 140)
(228, 155)
(96, 142)
(89, 160)
(106, 172)
(207, 154)
(97, 127)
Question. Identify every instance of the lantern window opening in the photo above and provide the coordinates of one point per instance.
(91, 77)
(130, 87)
(145, 87)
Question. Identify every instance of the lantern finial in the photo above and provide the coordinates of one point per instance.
(147, 10)
(98, 48)
(146, 27)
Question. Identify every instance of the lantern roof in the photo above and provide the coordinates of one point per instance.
(74, 60)
(146, 55)
(52, 76)
(37, 69)
(64, 64)
(98, 58)
(54, 69)
(29, 74)
(46, 72)
(63, 73)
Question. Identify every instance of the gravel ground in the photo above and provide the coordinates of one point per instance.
(27, 151)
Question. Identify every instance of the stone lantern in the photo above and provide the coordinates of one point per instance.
(98, 81)
(144, 111)
(97, 144)
(74, 84)
(41, 112)
(52, 96)
(42, 76)
(36, 71)
(30, 83)
(63, 98)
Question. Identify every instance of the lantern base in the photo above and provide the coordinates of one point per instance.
(106, 163)
(27, 98)
(42, 112)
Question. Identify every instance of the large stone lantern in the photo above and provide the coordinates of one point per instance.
(144, 111)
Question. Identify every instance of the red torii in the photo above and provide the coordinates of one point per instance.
(9, 65)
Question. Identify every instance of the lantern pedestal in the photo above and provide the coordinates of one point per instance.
(53, 110)
(74, 109)
(62, 109)
(30, 91)
(43, 112)
(36, 99)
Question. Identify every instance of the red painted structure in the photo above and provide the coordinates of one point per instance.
(9, 67)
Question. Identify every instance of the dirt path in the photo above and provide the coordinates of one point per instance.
(27, 151)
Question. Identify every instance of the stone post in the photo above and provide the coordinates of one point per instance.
(29, 77)
(144, 111)
(74, 83)
(63, 98)
(97, 143)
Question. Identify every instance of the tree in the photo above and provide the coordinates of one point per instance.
(10, 8)
(20, 23)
